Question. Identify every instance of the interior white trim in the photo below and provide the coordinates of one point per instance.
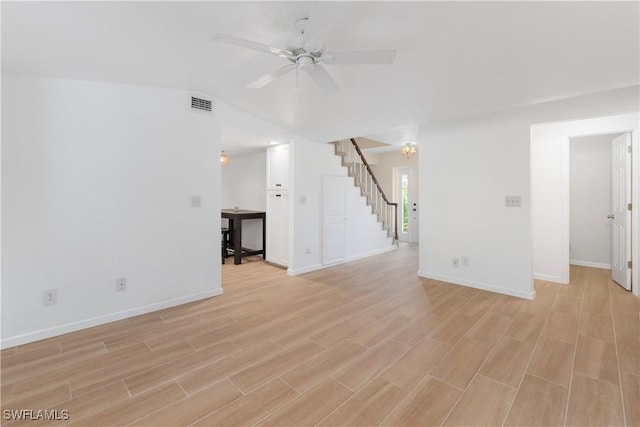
(477, 285)
(590, 264)
(548, 278)
(297, 272)
(100, 320)
(392, 247)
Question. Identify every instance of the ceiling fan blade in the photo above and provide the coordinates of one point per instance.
(321, 76)
(322, 18)
(355, 57)
(268, 78)
(248, 44)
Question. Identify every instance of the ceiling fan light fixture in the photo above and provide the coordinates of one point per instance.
(305, 62)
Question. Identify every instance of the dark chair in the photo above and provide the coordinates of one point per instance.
(226, 238)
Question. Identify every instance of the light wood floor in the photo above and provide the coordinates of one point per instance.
(366, 343)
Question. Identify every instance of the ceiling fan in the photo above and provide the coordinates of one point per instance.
(307, 53)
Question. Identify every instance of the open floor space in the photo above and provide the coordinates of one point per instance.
(362, 343)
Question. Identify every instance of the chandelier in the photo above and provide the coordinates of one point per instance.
(408, 149)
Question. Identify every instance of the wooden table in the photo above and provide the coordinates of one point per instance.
(235, 218)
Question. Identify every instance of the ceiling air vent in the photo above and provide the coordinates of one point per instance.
(201, 104)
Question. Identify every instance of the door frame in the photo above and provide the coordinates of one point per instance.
(607, 140)
(550, 212)
(413, 235)
(566, 197)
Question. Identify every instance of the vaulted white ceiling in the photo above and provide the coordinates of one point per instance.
(455, 59)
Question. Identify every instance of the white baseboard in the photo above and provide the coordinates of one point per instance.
(590, 264)
(100, 320)
(549, 278)
(275, 264)
(477, 285)
(298, 271)
(292, 272)
(372, 253)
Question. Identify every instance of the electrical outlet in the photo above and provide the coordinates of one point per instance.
(455, 262)
(465, 261)
(50, 297)
(121, 284)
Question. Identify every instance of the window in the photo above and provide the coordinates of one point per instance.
(404, 205)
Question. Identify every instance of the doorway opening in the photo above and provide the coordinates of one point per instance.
(406, 192)
(600, 190)
(550, 193)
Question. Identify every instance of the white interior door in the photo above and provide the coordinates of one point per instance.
(620, 215)
(407, 196)
(334, 219)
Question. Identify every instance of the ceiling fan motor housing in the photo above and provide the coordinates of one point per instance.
(298, 51)
(301, 24)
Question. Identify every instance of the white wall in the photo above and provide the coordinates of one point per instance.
(312, 161)
(550, 183)
(590, 184)
(244, 183)
(384, 167)
(470, 167)
(97, 181)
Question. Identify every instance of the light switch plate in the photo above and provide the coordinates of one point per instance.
(196, 202)
(512, 201)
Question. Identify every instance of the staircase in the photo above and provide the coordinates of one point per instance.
(360, 171)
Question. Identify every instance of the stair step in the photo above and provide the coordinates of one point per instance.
(342, 149)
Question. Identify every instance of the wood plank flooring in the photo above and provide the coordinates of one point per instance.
(361, 344)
